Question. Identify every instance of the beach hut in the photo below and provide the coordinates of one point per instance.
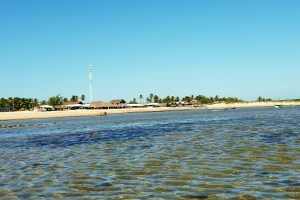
(101, 105)
(135, 105)
(118, 101)
(153, 105)
(73, 105)
(44, 108)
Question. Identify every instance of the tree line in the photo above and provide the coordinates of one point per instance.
(59, 100)
(152, 98)
(17, 103)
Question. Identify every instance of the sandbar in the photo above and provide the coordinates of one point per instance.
(23, 115)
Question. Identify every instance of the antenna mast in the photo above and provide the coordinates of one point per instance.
(91, 94)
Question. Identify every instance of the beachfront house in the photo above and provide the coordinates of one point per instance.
(101, 105)
(153, 105)
(43, 108)
(73, 105)
(118, 101)
(136, 105)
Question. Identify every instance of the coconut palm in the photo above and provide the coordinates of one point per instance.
(141, 97)
(151, 97)
(82, 98)
(74, 98)
(56, 100)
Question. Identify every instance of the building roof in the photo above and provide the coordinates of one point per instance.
(45, 106)
(135, 105)
(153, 104)
(72, 102)
(118, 101)
(74, 105)
(101, 104)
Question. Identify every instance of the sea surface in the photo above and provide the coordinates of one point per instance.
(201, 154)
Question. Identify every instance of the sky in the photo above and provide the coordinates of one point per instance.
(237, 48)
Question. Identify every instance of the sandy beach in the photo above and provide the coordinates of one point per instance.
(251, 105)
(22, 115)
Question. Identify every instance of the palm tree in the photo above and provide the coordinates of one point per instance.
(216, 99)
(56, 100)
(151, 97)
(36, 101)
(156, 99)
(10, 103)
(133, 100)
(74, 98)
(82, 98)
(141, 97)
(172, 99)
(43, 102)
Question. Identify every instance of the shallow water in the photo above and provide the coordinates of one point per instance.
(233, 154)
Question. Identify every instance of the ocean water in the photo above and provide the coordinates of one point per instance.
(233, 154)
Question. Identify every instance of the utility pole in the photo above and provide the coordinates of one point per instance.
(91, 94)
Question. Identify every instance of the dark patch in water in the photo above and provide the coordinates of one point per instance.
(263, 172)
(39, 164)
(196, 196)
(290, 183)
(106, 184)
(70, 139)
(278, 137)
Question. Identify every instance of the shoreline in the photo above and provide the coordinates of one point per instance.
(252, 105)
(28, 115)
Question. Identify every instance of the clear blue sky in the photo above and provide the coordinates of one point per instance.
(242, 48)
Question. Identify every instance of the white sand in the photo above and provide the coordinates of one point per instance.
(251, 105)
(77, 113)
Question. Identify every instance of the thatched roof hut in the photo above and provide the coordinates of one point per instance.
(101, 104)
(107, 105)
(118, 101)
(135, 105)
(72, 102)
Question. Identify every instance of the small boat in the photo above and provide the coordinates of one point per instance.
(280, 106)
(216, 110)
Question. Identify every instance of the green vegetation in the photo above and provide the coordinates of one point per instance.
(200, 99)
(74, 98)
(133, 101)
(17, 103)
(141, 98)
(59, 100)
(82, 98)
(291, 100)
(56, 100)
(261, 99)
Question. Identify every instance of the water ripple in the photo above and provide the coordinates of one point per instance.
(234, 154)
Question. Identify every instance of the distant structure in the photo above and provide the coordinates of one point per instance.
(91, 93)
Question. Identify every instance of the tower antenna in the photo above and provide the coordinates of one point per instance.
(91, 93)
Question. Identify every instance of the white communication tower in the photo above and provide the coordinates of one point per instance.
(91, 93)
